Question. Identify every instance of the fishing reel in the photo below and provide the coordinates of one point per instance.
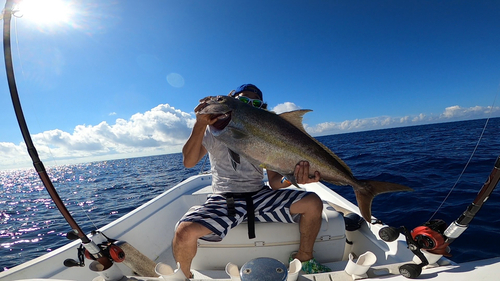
(428, 237)
(109, 248)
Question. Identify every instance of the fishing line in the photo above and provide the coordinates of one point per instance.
(17, 46)
(16, 16)
(77, 233)
(54, 170)
(53, 158)
(23, 74)
(72, 190)
(470, 158)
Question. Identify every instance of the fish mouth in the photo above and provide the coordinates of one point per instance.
(222, 120)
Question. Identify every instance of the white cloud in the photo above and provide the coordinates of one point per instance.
(165, 129)
(160, 130)
(469, 113)
(452, 113)
(285, 107)
(11, 151)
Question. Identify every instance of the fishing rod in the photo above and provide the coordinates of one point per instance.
(92, 248)
(434, 236)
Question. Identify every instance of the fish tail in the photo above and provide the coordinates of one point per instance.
(367, 190)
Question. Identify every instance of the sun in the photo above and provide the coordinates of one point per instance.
(46, 11)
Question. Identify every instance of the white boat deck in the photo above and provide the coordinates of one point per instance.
(150, 229)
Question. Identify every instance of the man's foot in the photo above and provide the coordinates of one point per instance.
(311, 266)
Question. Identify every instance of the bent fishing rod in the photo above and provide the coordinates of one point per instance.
(92, 248)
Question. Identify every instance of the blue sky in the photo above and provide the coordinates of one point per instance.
(121, 78)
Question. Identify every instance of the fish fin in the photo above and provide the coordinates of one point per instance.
(365, 204)
(295, 117)
(369, 189)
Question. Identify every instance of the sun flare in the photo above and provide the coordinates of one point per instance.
(46, 11)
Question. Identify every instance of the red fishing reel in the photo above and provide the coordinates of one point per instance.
(114, 252)
(428, 237)
(108, 248)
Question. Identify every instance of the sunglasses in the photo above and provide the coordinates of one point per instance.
(253, 102)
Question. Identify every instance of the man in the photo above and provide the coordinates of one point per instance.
(232, 174)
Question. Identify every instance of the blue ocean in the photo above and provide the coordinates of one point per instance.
(428, 158)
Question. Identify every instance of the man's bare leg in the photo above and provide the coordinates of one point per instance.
(185, 244)
(310, 208)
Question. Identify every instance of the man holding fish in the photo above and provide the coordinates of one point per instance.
(239, 192)
(242, 138)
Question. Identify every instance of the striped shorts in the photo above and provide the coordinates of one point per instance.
(270, 206)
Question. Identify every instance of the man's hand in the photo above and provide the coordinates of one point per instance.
(301, 173)
(204, 119)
